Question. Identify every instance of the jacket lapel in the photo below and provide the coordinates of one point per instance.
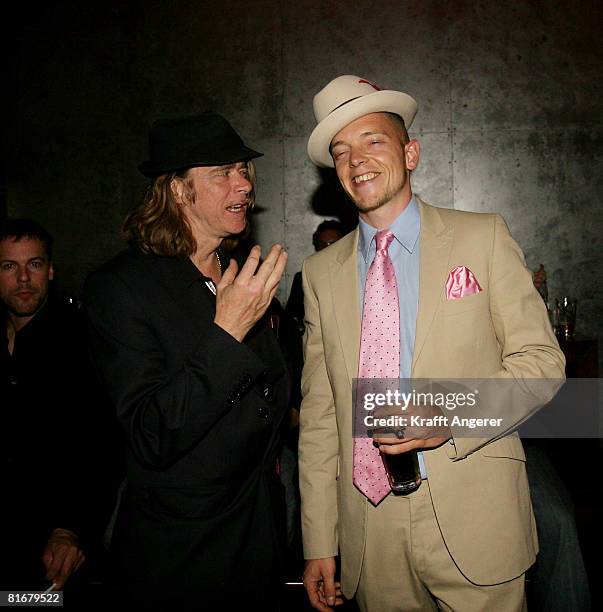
(435, 247)
(343, 273)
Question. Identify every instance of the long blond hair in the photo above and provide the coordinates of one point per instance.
(158, 224)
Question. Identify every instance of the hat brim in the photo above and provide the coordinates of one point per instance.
(385, 101)
(151, 169)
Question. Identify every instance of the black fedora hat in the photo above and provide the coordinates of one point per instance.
(206, 139)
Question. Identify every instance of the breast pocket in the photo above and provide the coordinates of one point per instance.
(467, 325)
(469, 303)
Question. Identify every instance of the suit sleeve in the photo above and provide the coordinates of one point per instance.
(318, 441)
(530, 354)
(164, 413)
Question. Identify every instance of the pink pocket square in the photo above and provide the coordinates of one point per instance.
(461, 282)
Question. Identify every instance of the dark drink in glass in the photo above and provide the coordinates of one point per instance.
(403, 471)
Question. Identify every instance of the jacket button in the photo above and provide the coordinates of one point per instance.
(263, 412)
(267, 391)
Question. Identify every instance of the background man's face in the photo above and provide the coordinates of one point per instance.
(25, 273)
(326, 237)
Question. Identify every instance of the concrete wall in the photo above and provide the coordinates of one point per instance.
(509, 114)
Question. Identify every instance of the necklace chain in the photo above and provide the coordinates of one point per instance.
(219, 261)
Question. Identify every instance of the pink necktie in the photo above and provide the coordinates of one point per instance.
(379, 358)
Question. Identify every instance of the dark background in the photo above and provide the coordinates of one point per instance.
(509, 95)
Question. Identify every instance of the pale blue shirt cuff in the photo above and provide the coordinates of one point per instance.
(422, 467)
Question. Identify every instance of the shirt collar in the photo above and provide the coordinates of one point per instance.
(405, 227)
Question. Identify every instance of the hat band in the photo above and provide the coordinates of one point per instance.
(344, 103)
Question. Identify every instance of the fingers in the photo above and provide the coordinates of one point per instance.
(251, 264)
(277, 271)
(387, 448)
(243, 298)
(390, 441)
(327, 600)
(339, 599)
(61, 561)
(62, 556)
(320, 585)
(328, 591)
(270, 263)
(229, 275)
(316, 600)
(411, 444)
(270, 271)
(71, 563)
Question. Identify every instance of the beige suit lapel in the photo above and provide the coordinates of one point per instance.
(343, 273)
(435, 246)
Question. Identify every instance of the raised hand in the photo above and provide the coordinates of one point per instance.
(242, 299)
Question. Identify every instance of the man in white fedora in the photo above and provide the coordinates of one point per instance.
(422, 292)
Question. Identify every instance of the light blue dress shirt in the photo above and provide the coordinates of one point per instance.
(404, 253)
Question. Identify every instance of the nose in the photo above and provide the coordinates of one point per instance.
(23, 274)
(243, 184)
(356, 157)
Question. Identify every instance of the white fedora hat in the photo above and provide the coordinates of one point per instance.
(346, 98)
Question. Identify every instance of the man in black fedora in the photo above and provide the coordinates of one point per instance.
(196, 377)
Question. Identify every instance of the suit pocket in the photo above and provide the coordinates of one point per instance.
(468, 303)
(509, 447)
(200, 502)
(467, 325)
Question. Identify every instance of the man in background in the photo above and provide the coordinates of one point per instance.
(47, 397)
(326, 234)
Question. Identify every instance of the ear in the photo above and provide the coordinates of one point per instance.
(177, 188)
(50, 272)
(412, 152)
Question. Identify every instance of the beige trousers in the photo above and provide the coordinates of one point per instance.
(407, 566)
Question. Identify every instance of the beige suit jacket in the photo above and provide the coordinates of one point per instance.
(479, 487)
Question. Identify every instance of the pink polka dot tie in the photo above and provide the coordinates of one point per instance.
(379, 358)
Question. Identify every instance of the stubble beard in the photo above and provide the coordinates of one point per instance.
(382, 201)
(18, 309)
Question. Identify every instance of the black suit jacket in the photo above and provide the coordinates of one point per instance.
(202, 513)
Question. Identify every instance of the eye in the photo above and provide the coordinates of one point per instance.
(36, 264)
(7, 266)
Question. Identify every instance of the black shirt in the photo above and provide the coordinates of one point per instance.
(49, 424)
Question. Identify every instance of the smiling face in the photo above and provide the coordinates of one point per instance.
(25, 274)
(373, 164)
(221, 199)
